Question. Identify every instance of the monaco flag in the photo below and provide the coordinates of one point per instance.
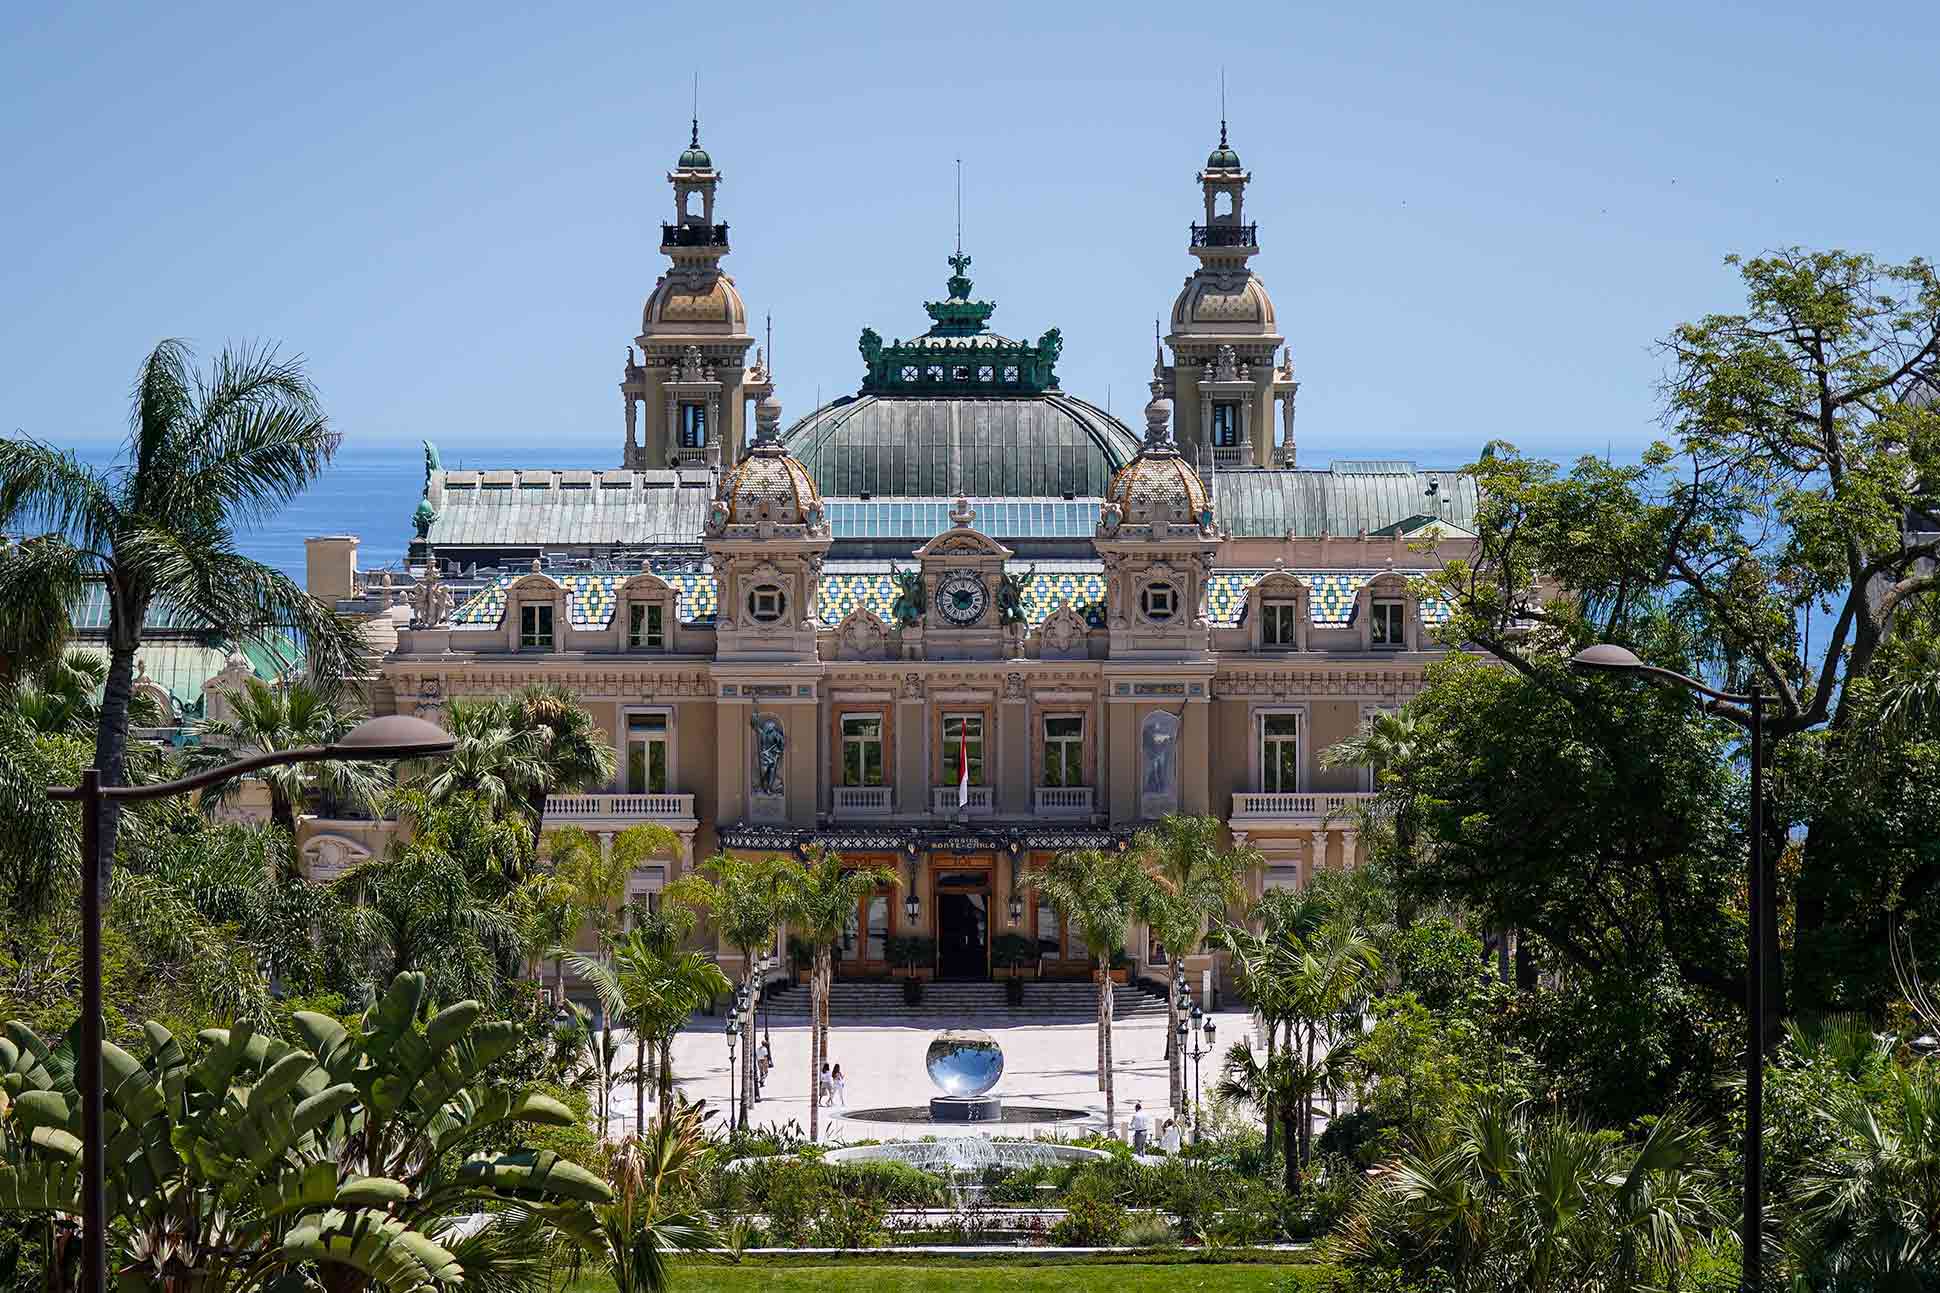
(963, 767)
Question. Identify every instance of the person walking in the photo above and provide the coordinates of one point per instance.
(766, 1060)
(1169, 1139)
(840, 1086)
(826, 1085)
(1141, 1127)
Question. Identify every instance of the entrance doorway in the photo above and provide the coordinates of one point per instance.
(963, 925)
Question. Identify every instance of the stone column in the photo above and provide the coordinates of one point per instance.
(1348, 839)
(1246, 432)
(1012, 785)
(632, 427)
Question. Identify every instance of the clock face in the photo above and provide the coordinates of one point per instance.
(962, 598)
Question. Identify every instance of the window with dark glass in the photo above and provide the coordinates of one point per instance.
(535, 626)
(646, 754)
(646, 628)
(765, 603)
(1385, 630)
(1279, 624)
(1225, 425)
(1064, 744)
(862, 750)
(1160, 601)
(1050, 941)
(963, 735)
(1280, 754)
(693, 426)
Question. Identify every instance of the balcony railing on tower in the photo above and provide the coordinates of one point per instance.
(1225, 235)
(693, 235)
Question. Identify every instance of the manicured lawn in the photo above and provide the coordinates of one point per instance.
(1028, 1272)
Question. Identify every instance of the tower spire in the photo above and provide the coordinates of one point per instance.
(1222, 106)
(959, 206)
(695, 140)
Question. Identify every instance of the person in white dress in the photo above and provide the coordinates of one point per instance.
(839, 1085)
(1170, 1140)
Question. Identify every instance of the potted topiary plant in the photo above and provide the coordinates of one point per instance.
(1121, 966)
(1011, 955)
(910, 958)
(801, 958)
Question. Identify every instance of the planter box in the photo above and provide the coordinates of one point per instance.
(1119, 976)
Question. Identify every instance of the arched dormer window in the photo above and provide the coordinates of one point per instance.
(1279, 611)
(647, 613)
(535, 611)
(1388, 614)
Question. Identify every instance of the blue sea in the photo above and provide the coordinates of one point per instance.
(370, 491)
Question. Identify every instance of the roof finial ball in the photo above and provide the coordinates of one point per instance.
(767, 420)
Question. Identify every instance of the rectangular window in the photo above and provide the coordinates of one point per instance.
(877, 948)
(1064, 747)
(1050, 942)
(851, 945)
(1385, 629)
(646, 754)
(1280, 624)
(1225, 426)
(646, 626)
(862, 749)
(1280, 754)
(963, 735)
(693, 426)
(535, 626)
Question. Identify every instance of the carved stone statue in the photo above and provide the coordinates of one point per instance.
(771, 743)
(909, 605)
(1050, 345)
(431, 601)
(871, 347)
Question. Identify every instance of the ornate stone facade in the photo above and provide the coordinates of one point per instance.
(957, 687)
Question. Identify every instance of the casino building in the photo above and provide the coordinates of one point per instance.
(953, 623)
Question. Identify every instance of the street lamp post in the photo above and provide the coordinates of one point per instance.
(734, 1105)
(394, 736)
(1210, 1030)
(1748, 711)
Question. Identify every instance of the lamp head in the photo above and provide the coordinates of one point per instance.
(912, 908)
(1016, 909)
(1184, 1028)
(1212, 1030)
(1606, 657)
(393, 736)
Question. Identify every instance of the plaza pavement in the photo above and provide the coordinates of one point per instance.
(1044, 1063)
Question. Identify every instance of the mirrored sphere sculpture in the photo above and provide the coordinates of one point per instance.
(965, 1062)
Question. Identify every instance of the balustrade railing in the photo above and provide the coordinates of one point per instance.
(1225, 235)
(943, 800)
(1061, 801)
(693, 235)
(644, 807)
(1331, 804)
(864, 801)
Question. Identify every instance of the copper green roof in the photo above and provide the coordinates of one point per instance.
(1344, 500)
(959, 354)
(1043, 446)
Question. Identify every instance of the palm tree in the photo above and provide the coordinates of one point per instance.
(632, 1235)
(657, 985)
(286, 716)
(1383, 743)
(572, 752)
(1194, 882)
(205, 452)
(746, 899)
(43, 584)
(1502, 1199)
(492, 758)
(1097, 893)
(823, 897)
(1867, 1207)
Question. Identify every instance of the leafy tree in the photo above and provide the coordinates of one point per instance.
(1097, 893)
(1195, 882)
(287, 715)
(822, 898)
(571, 752)
(746, 901)
(37, 627)
(359, 1158)
(205, 452)
(1767, 543)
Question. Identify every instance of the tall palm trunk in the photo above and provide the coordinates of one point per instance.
(666, 1075)
(815, 1048)
(559, 982)
(111, 737)
(1269, 1104)
(1104, 1048)
(1290, 1137)
(639, 1080)
(1104, 982)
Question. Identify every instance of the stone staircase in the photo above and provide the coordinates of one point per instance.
(1045, 1001)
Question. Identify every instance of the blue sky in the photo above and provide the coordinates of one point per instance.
(1475, 218)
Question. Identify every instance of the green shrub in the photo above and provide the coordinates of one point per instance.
(1148, 1230)
(849, 1221)
(1089, 1222)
